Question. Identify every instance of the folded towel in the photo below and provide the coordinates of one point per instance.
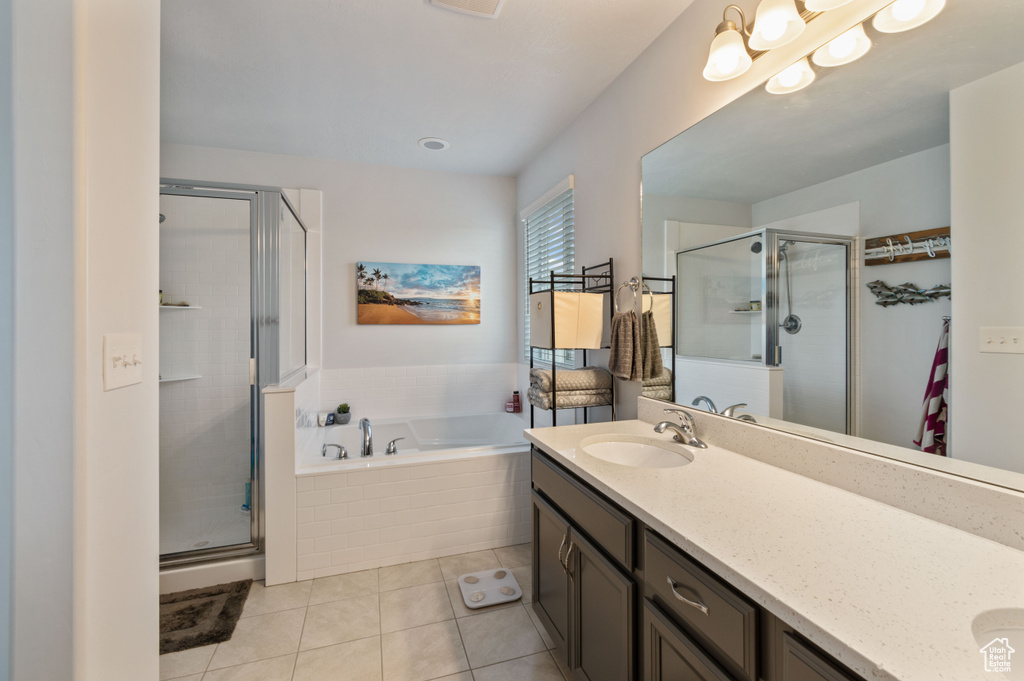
(576, 398)
(587, 378)
(652, 365)
(657, 392)
(626, 361)
(664, 378)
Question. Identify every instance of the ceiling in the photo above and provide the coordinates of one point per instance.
(890, 103)
(363, 80)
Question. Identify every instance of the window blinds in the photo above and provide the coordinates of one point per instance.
(550, 245)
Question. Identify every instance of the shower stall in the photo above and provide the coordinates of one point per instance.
(767, 321)
(232, 321)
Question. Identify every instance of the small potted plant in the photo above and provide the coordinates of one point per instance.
(343, 415)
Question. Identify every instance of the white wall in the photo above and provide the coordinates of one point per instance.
(117, 124)
(6, 329)
(661, 93)
(43, 380)
(988, 281)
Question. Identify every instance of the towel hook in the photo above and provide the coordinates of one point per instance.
(634, 285)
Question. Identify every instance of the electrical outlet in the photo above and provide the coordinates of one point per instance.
(122, 360)
(1003, 339)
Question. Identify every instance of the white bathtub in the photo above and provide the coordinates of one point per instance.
(425, 440)
(457, 484)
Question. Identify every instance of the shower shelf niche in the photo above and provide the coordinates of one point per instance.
(181, 307)
(176, 379)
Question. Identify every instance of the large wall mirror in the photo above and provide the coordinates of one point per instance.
(763, 212)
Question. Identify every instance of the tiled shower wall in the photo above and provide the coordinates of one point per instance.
(416, 391)
(204, 422)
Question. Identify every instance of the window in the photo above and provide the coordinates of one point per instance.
(549, 247)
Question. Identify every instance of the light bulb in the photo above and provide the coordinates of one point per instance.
(905, 10)
(823, 5)
(728, 57)
(790, 76)
(843, 49)
(726, 61)
(904, 15)
(793, 78)
(776, 23)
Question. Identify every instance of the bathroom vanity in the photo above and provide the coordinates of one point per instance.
(726, 568)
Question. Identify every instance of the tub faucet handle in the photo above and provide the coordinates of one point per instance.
(342, 452)
(392, 447)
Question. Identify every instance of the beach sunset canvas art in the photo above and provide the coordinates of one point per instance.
(397, 293)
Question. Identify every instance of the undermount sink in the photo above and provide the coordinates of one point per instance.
(996, 632)
(636, 451)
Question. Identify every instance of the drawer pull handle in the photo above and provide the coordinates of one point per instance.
(693, 604)
(567, 554)
(560, 562)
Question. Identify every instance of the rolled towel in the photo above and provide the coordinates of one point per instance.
(587, 378)
(652, 365)
(657, 392)
(626, 361)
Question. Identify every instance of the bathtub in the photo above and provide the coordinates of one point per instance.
(424, 440)
(457, 484)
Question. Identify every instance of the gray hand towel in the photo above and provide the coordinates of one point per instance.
(626, 360)
(652, 365)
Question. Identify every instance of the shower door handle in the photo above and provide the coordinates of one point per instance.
(252, 371)
(778, 355)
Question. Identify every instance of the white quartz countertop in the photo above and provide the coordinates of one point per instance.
(890, 594)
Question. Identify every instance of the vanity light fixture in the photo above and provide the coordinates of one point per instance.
(844, 48)
(776, 23)
(904, 15)
(729, 56)
(793, 78)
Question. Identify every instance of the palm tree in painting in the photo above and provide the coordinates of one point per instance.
(386, 277)
(368, 281)
(376, 276)
(360, 273)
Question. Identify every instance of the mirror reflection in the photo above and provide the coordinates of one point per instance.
(811, 239)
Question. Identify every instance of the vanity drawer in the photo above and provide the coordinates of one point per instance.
(719, 618)
(610, 527)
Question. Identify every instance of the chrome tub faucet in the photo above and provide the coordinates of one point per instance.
(364, 425)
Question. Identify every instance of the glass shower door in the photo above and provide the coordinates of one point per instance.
(207, 437)
(812, 329)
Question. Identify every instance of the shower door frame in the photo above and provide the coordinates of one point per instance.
(264, 274)
(772, 354)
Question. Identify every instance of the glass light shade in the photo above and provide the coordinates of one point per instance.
(823, 5)
(728, 57)
(796, 77)
(904, 15)
(844, 48)
(776, 23)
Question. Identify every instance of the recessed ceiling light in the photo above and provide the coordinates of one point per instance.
(434, 143)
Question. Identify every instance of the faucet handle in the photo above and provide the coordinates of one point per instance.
(342, 452)
(731, 411)
(392, 449)
(684, 416)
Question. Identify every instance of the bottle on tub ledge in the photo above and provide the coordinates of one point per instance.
(514, 406)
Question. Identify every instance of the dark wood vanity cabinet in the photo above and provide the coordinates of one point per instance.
(622, 603)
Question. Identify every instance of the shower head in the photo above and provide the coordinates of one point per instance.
(785, 247)
(162, 217)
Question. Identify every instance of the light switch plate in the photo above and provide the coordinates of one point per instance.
(1003, 339)
(122, 360)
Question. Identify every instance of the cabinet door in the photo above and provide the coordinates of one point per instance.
(550, 576)
(801, 662)
(669, 655)
(602, 646)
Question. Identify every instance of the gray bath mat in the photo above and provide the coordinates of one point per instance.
(199, 617)
(490, 587)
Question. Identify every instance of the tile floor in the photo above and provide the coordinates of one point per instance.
(401, 623)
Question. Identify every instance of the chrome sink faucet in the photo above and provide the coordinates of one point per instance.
(685, 432)
(364, 425)
(731, 411)
(705, 398)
